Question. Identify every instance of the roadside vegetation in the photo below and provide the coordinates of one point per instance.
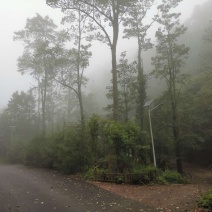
(205, 200)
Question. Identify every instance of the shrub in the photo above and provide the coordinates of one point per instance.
(170, 176)
(205, 200)
(145, 175)
(33, 153)
(69, 152)
(89, 174)
(119, 179)
(15, 151)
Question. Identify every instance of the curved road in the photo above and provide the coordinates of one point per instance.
(25, 189)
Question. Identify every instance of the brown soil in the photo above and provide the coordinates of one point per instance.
(166, 197)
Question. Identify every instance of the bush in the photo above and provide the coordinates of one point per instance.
(89, 174)
(145, 175)
(170, 176)
(205, 200)
(15, 151)
(119, 179)
(34, 152)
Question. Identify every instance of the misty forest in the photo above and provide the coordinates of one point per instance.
(148, 105)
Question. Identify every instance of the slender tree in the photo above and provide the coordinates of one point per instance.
(20, 114)
(168, 64)
(127, 87)
(40, 38)
(104, 14)
(137, 26)
(71, 64)
(207, 53)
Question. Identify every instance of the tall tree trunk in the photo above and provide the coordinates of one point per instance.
(79, 78)
(141, 88)
(115, 86)
(126, 110)
(114, 62)
(176, 132)
(44, 94)
(39, 113)
(69, 102)
(79, 91)
(52, 109)
(82, 118)
(177, 140)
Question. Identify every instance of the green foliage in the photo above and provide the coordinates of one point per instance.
(94, 132)
(127, 85)
(21, 114)
(89, 174)
(170, 176)
(41, 48)
(205, 200)
(72, 155)
(117, 146)
(127, 142)
(66, 152)
(63, 151)
(119, 179)
(145, 174)
(134, 23)
(196, 117)
(39, 39)
(15, 151)
(93, 172)
(168, 64)
(35, 151)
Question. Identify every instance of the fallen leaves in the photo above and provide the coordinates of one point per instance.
(164, 198)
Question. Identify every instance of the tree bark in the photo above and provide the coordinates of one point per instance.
(114, 62)
(176, 132)
(141, 88)
(44, 92)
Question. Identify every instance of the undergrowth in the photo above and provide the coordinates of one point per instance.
(205, 200)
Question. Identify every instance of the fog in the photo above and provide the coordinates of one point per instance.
(81, 111)
(13, 17)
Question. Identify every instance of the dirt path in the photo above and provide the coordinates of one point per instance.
(25, 189)
(166, 198)
(163, 198)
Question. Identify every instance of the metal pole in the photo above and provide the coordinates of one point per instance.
(153, 148)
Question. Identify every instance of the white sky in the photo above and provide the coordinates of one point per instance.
(13, 15)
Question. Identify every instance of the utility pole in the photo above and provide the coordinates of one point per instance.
(147, 104)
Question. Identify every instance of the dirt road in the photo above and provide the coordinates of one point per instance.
(27, 189)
